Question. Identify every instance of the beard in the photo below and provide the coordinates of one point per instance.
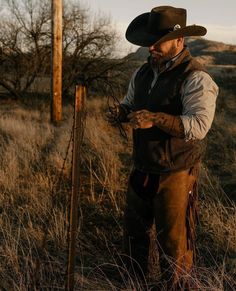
(159, 59)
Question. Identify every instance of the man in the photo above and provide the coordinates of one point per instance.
(170, 104)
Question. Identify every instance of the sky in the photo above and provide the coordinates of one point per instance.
(219, 17)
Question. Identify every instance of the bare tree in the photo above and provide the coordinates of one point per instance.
(25, 36)
(89, 47)
(25, 44)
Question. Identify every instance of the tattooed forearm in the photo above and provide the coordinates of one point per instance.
(169, 123)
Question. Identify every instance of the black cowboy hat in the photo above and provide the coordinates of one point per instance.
(161, 24)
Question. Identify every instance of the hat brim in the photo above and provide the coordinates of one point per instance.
(137, 33)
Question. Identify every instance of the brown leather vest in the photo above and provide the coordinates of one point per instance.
(154, 150)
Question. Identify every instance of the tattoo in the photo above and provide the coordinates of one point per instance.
(171, 124)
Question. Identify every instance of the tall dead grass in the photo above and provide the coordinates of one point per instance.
(33, 201)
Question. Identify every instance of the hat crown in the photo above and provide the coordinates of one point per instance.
(166, 18)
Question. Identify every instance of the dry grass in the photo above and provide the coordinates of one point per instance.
(31, 154)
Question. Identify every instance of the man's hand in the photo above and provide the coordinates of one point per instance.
(170, 124)
(142, 119)
(118, 114)
(112, 116)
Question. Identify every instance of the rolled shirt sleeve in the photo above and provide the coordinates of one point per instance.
(129, 97)
(199, 93)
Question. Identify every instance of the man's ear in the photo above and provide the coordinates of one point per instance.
(180, 42)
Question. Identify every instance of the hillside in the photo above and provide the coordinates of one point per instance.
(210, 52)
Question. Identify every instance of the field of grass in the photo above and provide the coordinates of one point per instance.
(34, 200)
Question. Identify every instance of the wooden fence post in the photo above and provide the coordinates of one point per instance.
(80, 96)
(56, 61)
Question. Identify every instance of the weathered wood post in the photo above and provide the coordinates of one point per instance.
(56, 61)
(79, 116)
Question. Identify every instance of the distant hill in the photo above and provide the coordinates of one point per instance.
(208, 52)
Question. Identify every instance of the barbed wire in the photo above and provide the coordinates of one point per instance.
(111, 98)
(113, 110)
